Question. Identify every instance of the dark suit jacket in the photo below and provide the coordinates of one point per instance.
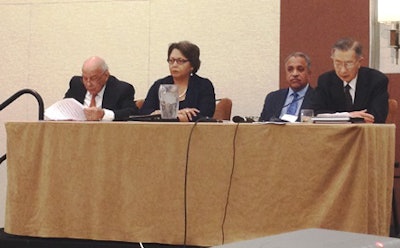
(118, 96)
(371, 94)
(200, 94)
(274, 102)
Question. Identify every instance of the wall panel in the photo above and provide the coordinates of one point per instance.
(44, 42)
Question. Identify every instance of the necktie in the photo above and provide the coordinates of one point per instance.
(293, 105)
(93, 101)
(349, 99)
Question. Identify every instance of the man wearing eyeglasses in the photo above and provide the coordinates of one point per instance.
(103, 95)
(350, 88)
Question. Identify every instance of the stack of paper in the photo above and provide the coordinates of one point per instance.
(332, 118)
(67, 109)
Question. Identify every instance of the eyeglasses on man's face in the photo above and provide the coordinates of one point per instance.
(344, 64)
(172, 61)
(93, 79)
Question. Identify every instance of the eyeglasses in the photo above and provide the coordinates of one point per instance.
(178, 61)
(348, 65)
(93, 79)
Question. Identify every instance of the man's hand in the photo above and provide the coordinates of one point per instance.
(93, 113)
(368, 118)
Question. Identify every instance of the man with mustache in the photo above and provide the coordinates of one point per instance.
(297, 96)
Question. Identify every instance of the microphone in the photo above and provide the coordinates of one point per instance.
(207, 119)
(239, 119)
(277, 119)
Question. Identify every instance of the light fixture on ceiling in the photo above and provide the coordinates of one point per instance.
(389, 13)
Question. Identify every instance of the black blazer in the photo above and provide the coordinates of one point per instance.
(371, 94)
(118, 96)
(200, 94)
(274, 102)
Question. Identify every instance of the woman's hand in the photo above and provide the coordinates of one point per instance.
(187, 114)
(156, 112)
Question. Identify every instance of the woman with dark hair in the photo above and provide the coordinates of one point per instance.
(196, 94)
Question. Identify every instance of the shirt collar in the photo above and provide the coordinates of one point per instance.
(352, 83)
(300, 93)
(100, 94)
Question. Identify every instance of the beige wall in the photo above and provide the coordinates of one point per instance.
(44, 42)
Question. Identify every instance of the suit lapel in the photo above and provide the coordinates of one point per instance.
(307, 99)
(282, 97)
(281, 101)
(108, 94)
(81, 90)
(361, 89)
(338, 93)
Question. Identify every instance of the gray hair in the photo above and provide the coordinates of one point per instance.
(346, 44)
(302, 55)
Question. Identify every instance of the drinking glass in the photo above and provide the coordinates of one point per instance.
(169, 101)
(306, 115)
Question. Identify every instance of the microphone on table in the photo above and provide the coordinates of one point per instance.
(207, 119)
(277, 119)
(240, 119)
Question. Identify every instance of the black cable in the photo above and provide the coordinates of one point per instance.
(186, 173)
(230, 182)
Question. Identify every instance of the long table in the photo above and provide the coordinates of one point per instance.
(205, 184)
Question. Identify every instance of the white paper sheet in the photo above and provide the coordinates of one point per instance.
(65, 109)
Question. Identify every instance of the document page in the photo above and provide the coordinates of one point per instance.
(334, 115)
(65, 109)
(339, 117)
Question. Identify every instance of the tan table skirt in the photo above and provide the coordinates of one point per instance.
(126, 181)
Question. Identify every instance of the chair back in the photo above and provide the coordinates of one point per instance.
(223, 109)
(392, 111)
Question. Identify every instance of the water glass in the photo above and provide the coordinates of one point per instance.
(306, 115)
